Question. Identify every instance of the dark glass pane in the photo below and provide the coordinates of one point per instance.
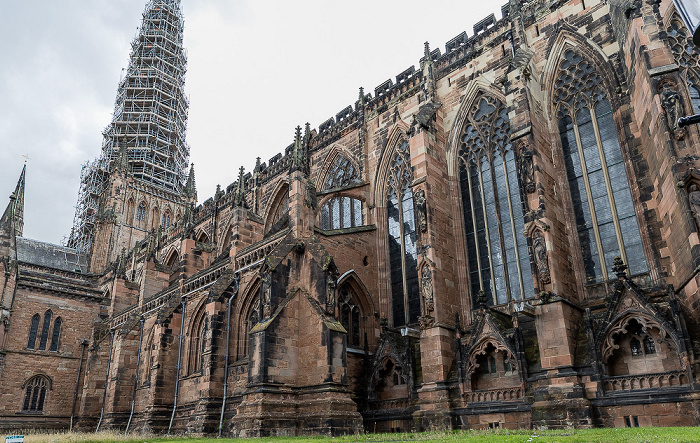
(35, 397)
(45, 331)
(608, 133)
(33, 329)
(27, 398)
(469, 232)
(325, 217)
(356, 327)
(42, 396)
(56, 334)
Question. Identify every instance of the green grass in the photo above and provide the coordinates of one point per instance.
(634, 435)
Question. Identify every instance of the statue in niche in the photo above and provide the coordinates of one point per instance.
(539, 250)
(694, 202)
(420, 203)
(266, 294)
(527, 171)
(330, 295)
(672, 104)
(427, 288)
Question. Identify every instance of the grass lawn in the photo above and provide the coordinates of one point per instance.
(627, 435)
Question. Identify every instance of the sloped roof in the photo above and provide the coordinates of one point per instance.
(51, 256)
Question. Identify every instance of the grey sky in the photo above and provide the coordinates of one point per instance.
(256, 69)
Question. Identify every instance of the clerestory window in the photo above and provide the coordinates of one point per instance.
(341, 213)
(497, 253)
(605, 216)
(402, 239)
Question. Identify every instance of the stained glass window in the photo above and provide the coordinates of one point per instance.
(497, 254)
(402, 239)
(341, 213)
(603, 209)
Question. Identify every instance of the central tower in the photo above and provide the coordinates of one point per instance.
(145, 140)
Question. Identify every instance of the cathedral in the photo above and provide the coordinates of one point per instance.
(503, 235)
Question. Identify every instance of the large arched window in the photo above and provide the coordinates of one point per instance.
(45, 331)
(497, 252)
(35, 394)
(278, 217)
(197, 343)
(605, 217)
(33, 330)
(402, 239)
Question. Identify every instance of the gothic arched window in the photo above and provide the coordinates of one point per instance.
(605, 217)
(687, 56)
(341, 213)
(45, 331)
(341, 174)
(350, 314)
(35, 394)
(141, 212)
(33, 329)
(402, 239)
(498, 259)
(56, 334)
(165, 220)
(197, 343)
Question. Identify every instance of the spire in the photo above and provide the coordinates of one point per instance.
(12, 221)
(300, 161)
(190, 187)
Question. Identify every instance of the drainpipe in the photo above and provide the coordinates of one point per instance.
(228, 344)
(136, 376)
(179, 359)
(104, 394)
(83, 345)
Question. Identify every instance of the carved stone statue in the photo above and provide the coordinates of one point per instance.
(694, 201)
(330, 295)
(266, 294)
(421, 216)
(427, 289)
(539, 250)
(527, 171)
(673, 105)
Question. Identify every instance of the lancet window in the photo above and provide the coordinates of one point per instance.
(402, 239)
(33, 329)
(350, 315)
(141, 212)
(45, 331)
(56, 335)
(497, 253)
(197, 343)
(605, 217)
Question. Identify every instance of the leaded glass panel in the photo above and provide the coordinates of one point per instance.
(497, 258)
(597, 178)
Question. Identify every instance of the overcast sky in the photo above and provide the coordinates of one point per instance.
(256, 69)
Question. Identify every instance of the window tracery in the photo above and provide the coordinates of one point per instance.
(498, 259)
(402, 239)
(603, 208)
(341, 174)
(35, 394)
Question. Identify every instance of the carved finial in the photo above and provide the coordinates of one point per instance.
(239, 198)
(190, 187)
(307, 133)
(481, 299)
(426, 50)
(300, 162)
(619, 267)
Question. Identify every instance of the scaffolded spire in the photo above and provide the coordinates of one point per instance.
(149, 121)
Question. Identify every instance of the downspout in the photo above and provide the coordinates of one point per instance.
(104, 394)
(136, 377)
(83, 345)
(179, 359)
(228, 344)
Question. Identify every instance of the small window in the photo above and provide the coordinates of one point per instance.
(341, 213)
(35, 394)
(33, 329)
(45, 331)
(635, 347)
(649, 347)
(141, 213)
(56, 334)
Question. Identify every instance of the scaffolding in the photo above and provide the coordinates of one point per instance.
(150, 118)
